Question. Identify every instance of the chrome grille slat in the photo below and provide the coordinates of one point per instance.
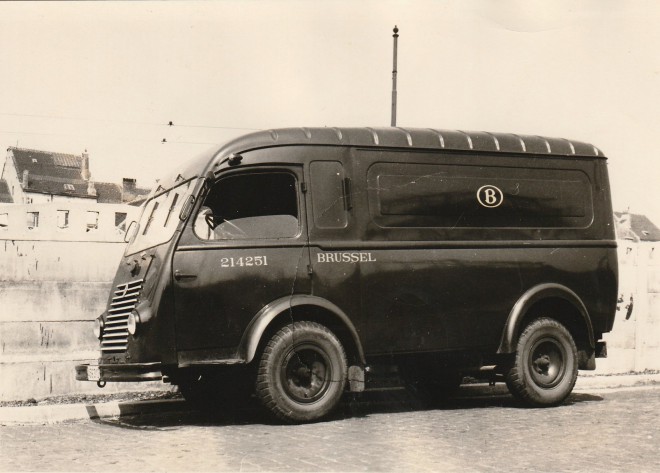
(124, 300)
(119, 303)
(117, 335)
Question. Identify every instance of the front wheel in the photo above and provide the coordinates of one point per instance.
(545, 364)
(302, 372)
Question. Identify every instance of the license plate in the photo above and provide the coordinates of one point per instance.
(93, 373)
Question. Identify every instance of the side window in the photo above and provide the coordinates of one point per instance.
(328, 205)
(452, 196)
(250, 206)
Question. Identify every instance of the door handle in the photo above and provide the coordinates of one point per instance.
(178, 275)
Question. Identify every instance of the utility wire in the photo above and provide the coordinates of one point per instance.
(169, 124)
(127, 139)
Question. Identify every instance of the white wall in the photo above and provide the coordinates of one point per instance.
(53, 283)
(15, 217)
(634, 344)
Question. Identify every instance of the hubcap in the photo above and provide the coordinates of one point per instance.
(547, 362)
(306, 373)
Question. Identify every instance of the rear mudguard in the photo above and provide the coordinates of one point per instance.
(513, 325)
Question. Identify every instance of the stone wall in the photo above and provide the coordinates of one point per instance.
(634, 343)
(53, 283)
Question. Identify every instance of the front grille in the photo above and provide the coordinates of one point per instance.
(115, 332)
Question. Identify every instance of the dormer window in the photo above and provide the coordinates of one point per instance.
(69, 187)
(34, 160)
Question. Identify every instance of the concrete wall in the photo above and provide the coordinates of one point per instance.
(89, 222)
(53, 283)
(634, 343)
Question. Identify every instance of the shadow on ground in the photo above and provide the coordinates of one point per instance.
(353, 406)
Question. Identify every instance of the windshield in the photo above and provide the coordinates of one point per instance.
(159, 219)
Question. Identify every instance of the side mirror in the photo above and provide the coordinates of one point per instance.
(187, 208)
(130, 231)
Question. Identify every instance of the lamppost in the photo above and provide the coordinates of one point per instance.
(396, 37)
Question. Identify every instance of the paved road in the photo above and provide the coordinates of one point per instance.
(485, 430)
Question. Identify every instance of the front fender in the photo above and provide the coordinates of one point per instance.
(527, 300)
(259, 323)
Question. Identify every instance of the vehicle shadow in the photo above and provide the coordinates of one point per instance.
(390, 401)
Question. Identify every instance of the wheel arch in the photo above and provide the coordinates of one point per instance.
(555, 301)
(301, 307)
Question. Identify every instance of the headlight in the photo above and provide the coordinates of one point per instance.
(98, 327)
(132, 322)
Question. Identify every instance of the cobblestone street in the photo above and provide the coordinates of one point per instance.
(480, 431)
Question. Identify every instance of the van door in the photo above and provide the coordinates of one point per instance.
(245, 246)
(334, 246)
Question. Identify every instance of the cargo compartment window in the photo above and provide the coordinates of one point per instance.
(250, 206)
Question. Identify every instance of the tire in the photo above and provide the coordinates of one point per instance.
(302, 372)
(545, 365)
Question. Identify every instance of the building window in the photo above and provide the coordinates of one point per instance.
(4, 221)
(32, 220)
(120, 221)
(69, 187)
(92, 220)
(62, 219)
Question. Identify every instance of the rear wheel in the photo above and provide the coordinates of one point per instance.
(545, 368)
(302, 372)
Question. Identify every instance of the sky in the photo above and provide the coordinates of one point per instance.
(109, 77)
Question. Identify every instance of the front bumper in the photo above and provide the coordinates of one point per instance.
(119, 373)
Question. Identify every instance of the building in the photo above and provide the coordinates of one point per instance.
(635, 227)
(33, 176)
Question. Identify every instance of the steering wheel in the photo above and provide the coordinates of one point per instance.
(211, 220)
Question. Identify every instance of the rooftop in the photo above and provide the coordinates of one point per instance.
(635, 227)
(50, 173)
(56, 173)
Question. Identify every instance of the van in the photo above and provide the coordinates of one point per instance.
(299, 264)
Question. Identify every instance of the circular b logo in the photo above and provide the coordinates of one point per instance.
(490, 196)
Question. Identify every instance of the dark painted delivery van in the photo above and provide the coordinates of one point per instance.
(298, 264)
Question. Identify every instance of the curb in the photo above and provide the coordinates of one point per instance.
(57, 413)
(587, 382)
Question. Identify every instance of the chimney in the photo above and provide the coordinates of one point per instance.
(91, 189)
(84, 171)
(26, 179)
(129, 184)
(128, 189)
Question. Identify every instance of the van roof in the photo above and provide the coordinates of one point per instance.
(428, 138)
(385, 137)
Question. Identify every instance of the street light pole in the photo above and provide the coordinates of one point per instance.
(396, 37)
